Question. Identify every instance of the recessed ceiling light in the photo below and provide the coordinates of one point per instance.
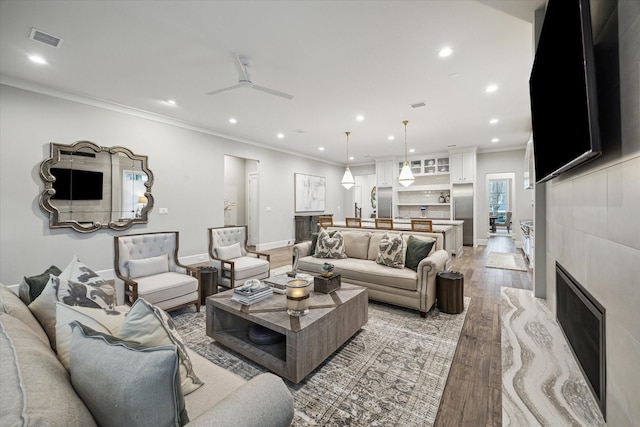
(359, 117)
(232, 120)
(37, 59)
(454, 75)
(280, 135)
(418, 104)
(171, 101)
(391, 137)
(445, 51)
(493, 121)
(494, 140)
(452, 145)
(350, 157)
(321, 148)
(412, 150)
(491, 88)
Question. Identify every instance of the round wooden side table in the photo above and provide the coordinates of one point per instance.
(450, 292)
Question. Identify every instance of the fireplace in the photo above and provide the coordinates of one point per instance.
(582, 320)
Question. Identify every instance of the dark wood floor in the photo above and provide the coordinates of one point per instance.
(472, 396)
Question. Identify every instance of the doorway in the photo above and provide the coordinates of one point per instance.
(500, 203)
(241, 183)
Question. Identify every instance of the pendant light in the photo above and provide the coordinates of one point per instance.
(406, 177)
(347, 179)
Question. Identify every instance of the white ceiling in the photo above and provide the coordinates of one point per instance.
(338, 58)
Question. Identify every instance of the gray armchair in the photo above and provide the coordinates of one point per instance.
(229, 254)
(147, 266)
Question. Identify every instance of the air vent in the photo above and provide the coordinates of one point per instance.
(45, 38)
(418, 104)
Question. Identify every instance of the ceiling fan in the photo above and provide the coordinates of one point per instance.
(244, 80)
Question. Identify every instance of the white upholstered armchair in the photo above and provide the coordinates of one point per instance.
(229, 254)
(147, 266)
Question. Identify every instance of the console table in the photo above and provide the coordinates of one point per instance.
(305, 225)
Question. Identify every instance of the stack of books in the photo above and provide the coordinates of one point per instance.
(248, 294)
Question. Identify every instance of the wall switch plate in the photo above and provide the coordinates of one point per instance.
(163, 211)
(268, 208)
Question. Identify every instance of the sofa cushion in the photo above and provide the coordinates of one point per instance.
(360, 271)
(96, 294)
(391, 251)
(78, 272)
(165, 286)
(374, 246)
(31, 287)
(229, 252)
(34, 386)
(417, 249)
(150, 326)
(356, 244)
(124, 384)
(98, 319)
(11, 304)
(148, 266)
(330, 247)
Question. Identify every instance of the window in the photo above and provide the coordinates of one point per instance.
(499, 198)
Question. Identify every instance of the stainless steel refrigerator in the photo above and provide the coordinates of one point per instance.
(462, 199)
(385, 202)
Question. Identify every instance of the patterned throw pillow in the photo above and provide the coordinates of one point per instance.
(330, 247)
(391, 251)
(77, 285)
(150, 326)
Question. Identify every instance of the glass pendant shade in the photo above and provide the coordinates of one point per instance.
(347, 179)
(406, 176)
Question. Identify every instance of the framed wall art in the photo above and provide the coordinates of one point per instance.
(309, 193)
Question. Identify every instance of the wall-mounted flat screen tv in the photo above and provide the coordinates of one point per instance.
(73, 184)
(562, 86)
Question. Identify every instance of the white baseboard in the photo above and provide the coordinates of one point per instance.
(274, 245)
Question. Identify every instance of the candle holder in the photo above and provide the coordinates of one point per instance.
(298, 297)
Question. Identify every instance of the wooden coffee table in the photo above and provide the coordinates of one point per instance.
(307, 341)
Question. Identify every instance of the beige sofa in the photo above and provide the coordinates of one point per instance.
(403, 287)
(36, 389)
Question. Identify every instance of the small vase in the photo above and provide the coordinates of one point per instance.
(441, 198)
(448, 198)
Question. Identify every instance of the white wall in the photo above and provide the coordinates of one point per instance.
(501, 162)
(187, 164)
(593, 216)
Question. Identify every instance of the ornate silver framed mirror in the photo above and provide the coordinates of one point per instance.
(88, 187)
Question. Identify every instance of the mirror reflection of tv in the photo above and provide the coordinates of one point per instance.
(73, 184)
(562, 87)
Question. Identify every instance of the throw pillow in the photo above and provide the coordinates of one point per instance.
(314, 240)
(31, 287)
(123, 384)
(330, 247)
(150, 326)
(417, 250)
(148, 266)
(229, 252)
(70, 293)
(78, 272)
(98, 319)
(391, 251)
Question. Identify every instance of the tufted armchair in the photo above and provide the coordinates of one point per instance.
(147, 266)
(235, 263)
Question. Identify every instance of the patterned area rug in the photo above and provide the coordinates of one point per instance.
(506, 261)
(392, 372)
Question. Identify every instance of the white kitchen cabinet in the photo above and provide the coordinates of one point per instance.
(463, 167)
(384, 173)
